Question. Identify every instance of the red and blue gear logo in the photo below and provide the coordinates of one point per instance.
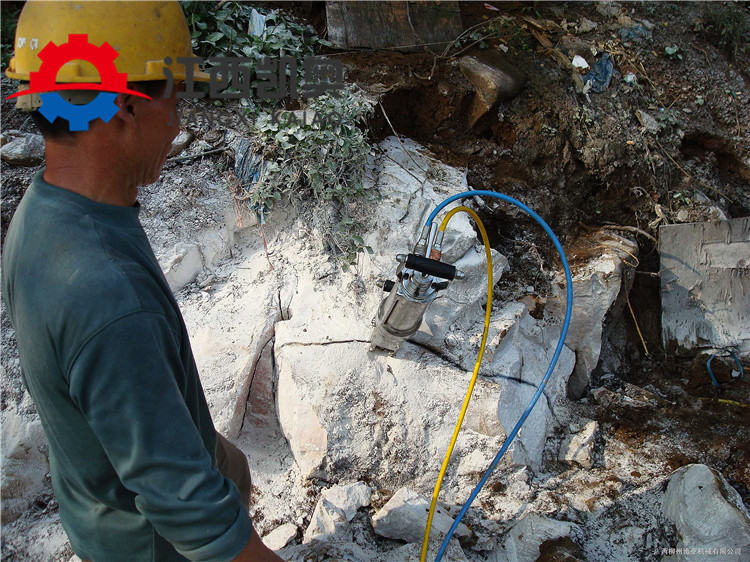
(102, 106)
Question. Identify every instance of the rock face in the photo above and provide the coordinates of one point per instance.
(25, 465)
(342, 406)
(22, 149)
(404, 517)
(708, 513)
(524, 539)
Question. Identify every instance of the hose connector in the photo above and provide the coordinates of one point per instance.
(421, 246)
(437, 247)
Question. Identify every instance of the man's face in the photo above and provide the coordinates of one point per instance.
(157, 125)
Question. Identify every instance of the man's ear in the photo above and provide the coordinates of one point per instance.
(125, 104)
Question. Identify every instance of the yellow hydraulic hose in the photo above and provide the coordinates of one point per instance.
(467, 398)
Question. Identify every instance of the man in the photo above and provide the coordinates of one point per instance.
(137, 466)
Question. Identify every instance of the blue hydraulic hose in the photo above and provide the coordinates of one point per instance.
(555, 357)
(736, 360)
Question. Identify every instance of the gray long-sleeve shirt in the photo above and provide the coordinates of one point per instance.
(106, 357)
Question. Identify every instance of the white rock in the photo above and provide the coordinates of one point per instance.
(327, 520)
(404, 517)
(27, 149)
(519, 353)
(523, 540)
(579, 447)
(180, 142)
(184, 265)
(596, 287)
(648, 121)
(324, 549)
(349, 498)
(585, 25)
(280, 536)
(24, 464)
(580, 62)
(707, 512)
(384, 417)
(411, 552)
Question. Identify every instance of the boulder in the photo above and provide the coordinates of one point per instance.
(404, 517)
(523, 541)
(518, 355)
(23, 149)
(707, 512)
(343, 407)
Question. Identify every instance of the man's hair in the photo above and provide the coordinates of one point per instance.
(60, 129)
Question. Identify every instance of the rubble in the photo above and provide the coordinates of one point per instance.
(523, 541)
(327, 520)
(280, 536)
(578, 448)
(25, 465)
(404, 517)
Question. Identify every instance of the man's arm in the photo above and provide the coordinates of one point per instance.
(126, 382)
(256, 551)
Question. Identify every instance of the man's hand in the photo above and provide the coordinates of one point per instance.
(256, 551)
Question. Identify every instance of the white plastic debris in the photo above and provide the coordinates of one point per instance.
(580, 62)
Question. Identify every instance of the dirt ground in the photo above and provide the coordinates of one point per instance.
(582, 161)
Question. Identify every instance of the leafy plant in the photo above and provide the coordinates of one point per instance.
(319, 152)
(224, 30)
(730, 25)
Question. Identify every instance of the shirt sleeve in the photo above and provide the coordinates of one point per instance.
(126, 381)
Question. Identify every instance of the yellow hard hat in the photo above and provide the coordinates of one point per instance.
(144, 34)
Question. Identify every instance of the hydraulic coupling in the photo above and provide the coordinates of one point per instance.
(419, 279)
